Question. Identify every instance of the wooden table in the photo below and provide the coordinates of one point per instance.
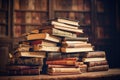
(111, 74)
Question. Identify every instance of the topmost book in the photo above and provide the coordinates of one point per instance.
(68, 21)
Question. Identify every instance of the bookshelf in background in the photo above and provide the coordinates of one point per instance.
(73, 9)
(28, 15)
(4, 18)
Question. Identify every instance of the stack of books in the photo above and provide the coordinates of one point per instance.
(96, 61)
(24, 61)
(62, 63)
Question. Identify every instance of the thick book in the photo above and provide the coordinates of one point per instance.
(63, 25)
(93, 54)
(61, 33)
(60, 66)
(68, 21)
(46, 48)
(68, 29)
(21, 67)
(73, 42)
(61, 62)
(76, 45)
(98, 68)
(72, 50)
(30, 54)
(25, 72)
(96, 63)
(93, 59)
(76, 39)
(63, 70)
(44, 36)
(80, 31)
(26, 61)
(43, 43)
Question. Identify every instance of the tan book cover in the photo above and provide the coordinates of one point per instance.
(30, 54)
(71, 50)
(64, 70)
(93, 59)
(45, 36)
(46, 48)
(62, 24)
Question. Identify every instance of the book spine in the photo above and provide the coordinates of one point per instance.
(95, 54)
(96, 63)
(98, 68)
(26, 61)
(62, 24)
(25, 72)
(65, 70)
(60, 66)
(61, 62)
(93, 59)
(60, 33)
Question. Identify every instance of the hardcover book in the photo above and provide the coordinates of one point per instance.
(30, 54)
(45, 36)
(72, 50)
(98, 68)
(60, 33)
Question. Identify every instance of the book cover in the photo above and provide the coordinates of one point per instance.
(68, 21)
(93, 54)
(61, 62)
(93, 59)
(72, 50)
(60, 33)
(30, 54)
(26, 61)
(46, 48)
(64, 70)
(98, 68)
(45, 36)
(96, 63)
(62, 24)
(25, 72)
(43, 43)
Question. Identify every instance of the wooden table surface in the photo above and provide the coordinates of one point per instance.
(111, 74)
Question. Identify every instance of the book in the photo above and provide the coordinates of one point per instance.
(21, 67)
(76, 39)
(98, 68)
(46, 48)
(26, 61)
(25, 72)
(63, 70)
(93, 54)
(57, 71)
(30, 54)
(73, 42)
(60, 33)
(61, 62)
(63, 28)
(44, 36)
(43, 43)
(54, 56)
(96, 63)
(93, 59)
(72, 50)
(60, 66)
(76, 45)
(62, 24)
(68, 21)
